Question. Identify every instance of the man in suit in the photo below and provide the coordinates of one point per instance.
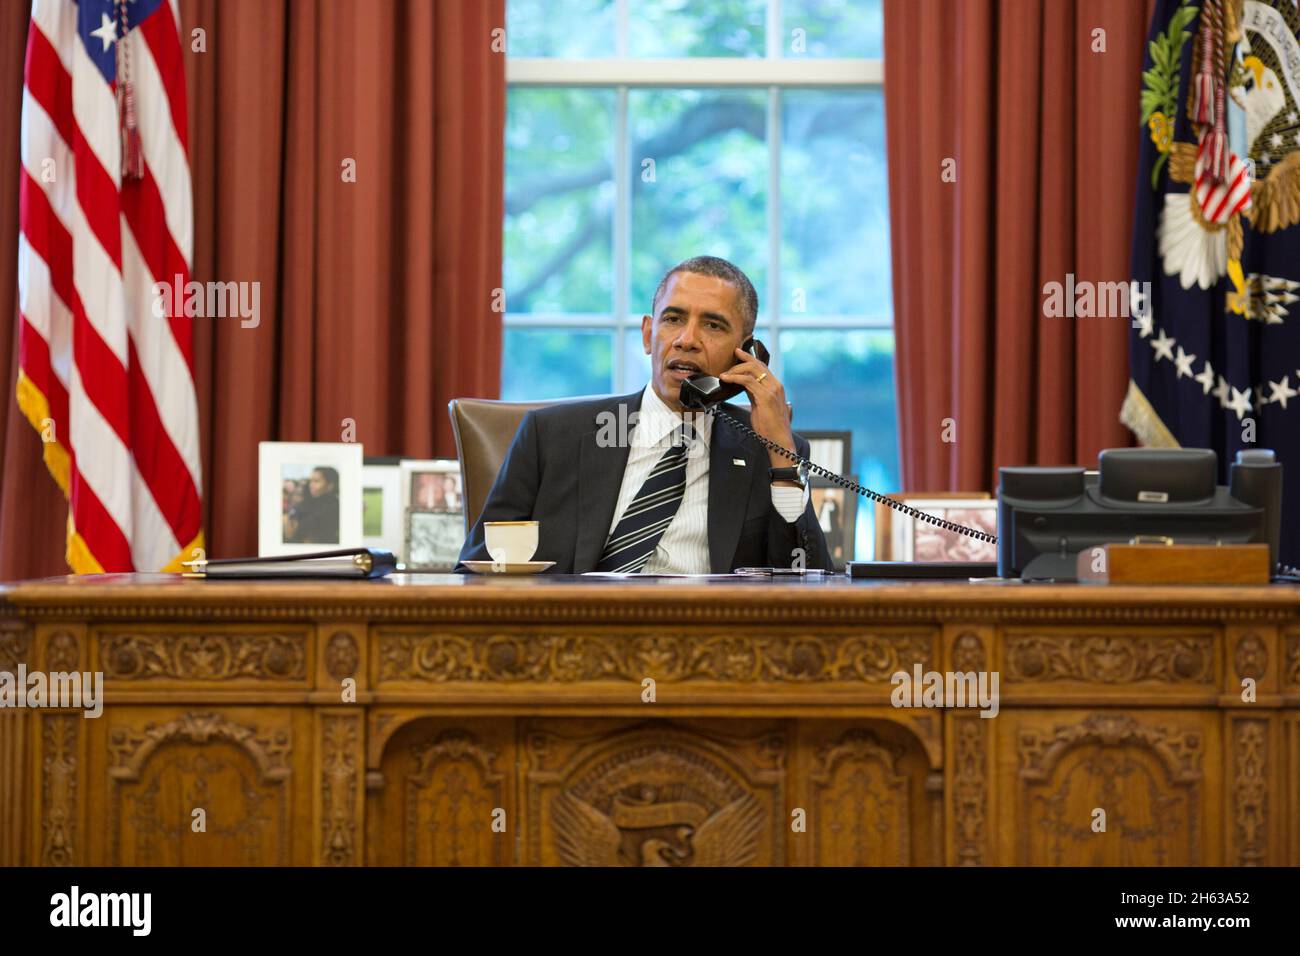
(635, 483)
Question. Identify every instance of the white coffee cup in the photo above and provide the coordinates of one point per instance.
(511, 542)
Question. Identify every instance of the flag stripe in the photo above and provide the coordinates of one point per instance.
(160, 33)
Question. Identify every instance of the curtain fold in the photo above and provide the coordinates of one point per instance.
(376, 289)
(1042, 131)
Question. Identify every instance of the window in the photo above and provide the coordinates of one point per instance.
(642, 132)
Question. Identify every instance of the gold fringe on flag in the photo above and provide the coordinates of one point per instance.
(1141, 419)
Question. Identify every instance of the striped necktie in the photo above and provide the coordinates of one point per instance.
(637, 533)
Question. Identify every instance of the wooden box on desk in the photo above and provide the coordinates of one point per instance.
(1146, 563)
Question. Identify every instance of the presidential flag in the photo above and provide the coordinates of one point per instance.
(1215, 345)
(105, 212)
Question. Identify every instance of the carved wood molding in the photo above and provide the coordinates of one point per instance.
(968, 652)
(1251, 657)
(15, 649)
(970, 791)
(1179, 751)
(1250, 791)
(668, 786)
(1109, 658)
(564, 604)
(567, 657)
(862, 747)
(203, 656)
(450, 745)
(342, 656)
(129, 750)
(1292, 675)
(340, 742)
(59, 739)
(62, 652)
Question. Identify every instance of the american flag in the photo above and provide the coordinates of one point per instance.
(105, 212)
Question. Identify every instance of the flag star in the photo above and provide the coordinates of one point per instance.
(1240, 402)
(1281, 391)
(1163, 345)
(1276, 140)
(1292, 116)
(1143, 322)
(1221, 392)
(107, 31)
(1206, 378)
(1184, 363)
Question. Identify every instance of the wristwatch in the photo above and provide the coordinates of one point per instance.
(798, 475)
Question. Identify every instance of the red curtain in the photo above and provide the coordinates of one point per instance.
(376, 294)
(1035, 102)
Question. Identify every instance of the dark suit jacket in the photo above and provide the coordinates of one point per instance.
(556, 473)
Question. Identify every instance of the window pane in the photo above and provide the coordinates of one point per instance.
(670, 28)
(574, 28)
(833, 28)
(845, 380)
(834, 204)
(559, 200)
(556, 363)
(636, 364)
(699, 183)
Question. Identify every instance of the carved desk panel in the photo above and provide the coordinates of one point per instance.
(441, 720)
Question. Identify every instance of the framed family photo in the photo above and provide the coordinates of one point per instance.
(309, 497)
(434, 506)
(913, 540)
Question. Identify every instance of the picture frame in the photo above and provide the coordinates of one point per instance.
(837, 512)
(913, 540)
(430, 486)
(832, 450)
(309, 497)
(433, 539)
(421, 492)
(382, 513)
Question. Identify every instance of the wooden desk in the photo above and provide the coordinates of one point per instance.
(501, 720)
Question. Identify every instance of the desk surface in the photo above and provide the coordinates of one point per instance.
(574, 597)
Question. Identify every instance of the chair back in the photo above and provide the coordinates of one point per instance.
(484, 429)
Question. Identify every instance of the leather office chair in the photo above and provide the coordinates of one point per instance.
(484, 429)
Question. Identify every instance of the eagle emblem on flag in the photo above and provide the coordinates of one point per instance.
(1214, 354)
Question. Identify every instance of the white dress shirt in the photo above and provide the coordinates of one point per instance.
(684, 547)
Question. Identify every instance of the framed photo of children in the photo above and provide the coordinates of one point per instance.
(309, 497)
(435, 521)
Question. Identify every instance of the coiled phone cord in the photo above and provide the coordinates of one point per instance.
(854, 486)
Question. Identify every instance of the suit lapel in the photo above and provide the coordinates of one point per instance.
(600, 477)
(729, 490)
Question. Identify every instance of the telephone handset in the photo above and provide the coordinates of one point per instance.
(701, 391)
(707, 392)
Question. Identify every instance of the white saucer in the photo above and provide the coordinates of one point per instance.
(521, 567)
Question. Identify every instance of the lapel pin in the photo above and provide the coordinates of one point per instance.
(738, 461)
